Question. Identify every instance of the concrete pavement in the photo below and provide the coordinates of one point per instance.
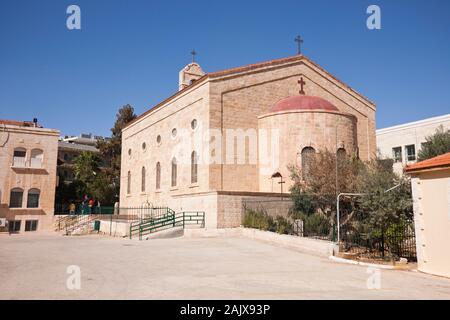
(34, 266)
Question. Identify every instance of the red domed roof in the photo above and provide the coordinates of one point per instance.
(301, 102)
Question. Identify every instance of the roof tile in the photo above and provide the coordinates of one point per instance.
(441, 161)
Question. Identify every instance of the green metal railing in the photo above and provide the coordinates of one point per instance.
(147, 216)
(170, 220)
(143, 220)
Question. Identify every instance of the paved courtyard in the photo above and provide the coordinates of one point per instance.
(34, 266)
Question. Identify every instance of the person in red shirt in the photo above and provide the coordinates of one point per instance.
(91, 204)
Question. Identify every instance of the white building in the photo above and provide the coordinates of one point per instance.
(403, 142)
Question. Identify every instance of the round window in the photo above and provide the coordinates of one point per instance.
(194, 124)
(174, 132)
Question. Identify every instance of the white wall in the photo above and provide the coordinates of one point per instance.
(431, 195)
(407, 134)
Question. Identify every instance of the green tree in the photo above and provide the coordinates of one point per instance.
(87, 167)
(72, 192)
(103, 190)
(111, 149)
(379, 206)
(377, 211)
(325, 181)
(96, 181)
(435, 145)
(385, 212)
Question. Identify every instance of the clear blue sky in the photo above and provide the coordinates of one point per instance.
(130, 51)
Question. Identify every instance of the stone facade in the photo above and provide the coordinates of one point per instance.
(223, 112)
(28, 164)
(321, 130)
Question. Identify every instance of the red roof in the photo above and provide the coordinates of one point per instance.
(441, 161)
(301, 102)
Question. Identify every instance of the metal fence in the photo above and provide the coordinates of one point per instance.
(359, 235)
(72, 222)
(143, 212)
(391, 242)
(309, 228)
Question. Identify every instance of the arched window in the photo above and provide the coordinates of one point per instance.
(37, 157)
(194, 167)
(129, 182)
(307, 158)
(19, 157)
(158, 176)
(143, 179)
(174, 172)
(16, 197)
(33, 198)
(341, 154)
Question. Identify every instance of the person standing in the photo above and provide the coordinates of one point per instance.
(71, 208)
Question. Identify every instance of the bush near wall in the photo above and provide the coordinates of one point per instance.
(259, 219)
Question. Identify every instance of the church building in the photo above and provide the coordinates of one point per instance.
(230, 136)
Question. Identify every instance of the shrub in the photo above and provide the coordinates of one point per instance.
(315, 224)
(259, 219)
(283, 226)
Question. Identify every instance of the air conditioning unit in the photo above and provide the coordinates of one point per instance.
(2, 222)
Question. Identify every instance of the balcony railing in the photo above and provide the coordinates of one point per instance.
(19, 162)
(36, 163)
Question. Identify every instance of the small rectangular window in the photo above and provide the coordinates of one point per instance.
(397, 154)
(410, 151)
(33, 200)
(31, 225)
(14, 225)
